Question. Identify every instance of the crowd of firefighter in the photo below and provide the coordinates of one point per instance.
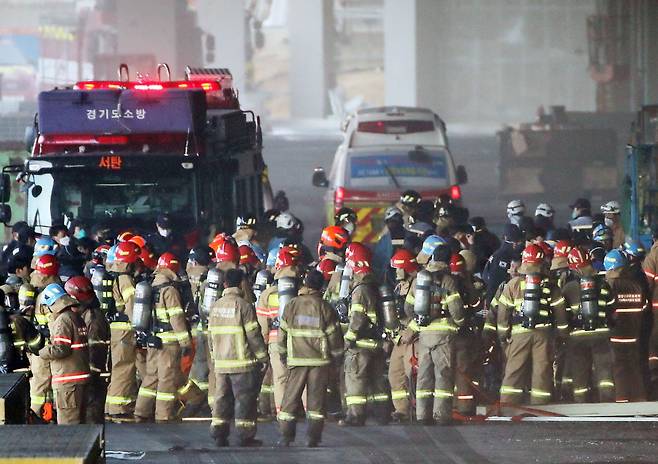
(435, 318)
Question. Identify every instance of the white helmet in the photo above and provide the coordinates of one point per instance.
(515, 208)
(285, 221)
(544, 209)
(611, 207)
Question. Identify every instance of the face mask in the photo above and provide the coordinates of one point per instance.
(349, 227)
(574, 213)
(164, 232)
(81, 233)
(64, 241)
(609, 222)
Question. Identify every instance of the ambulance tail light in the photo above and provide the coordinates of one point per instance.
(455, 192)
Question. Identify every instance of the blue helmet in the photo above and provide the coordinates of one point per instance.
(615, 259)
(634, 248)
(258, 251)
(431, 243)
(111, 255)
(44, 246)
(52, 293)
(271, 257)
(601, 233)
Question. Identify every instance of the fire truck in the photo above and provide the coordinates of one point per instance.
(121, 152)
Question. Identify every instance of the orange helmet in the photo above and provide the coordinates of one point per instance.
(127, 252)
(169, 261)
(404, 259)
(287, 257)
(47, 265)
(138, 240)
(247, 255)
(562, 249)
(457, 264)
(334, 237)
(578, 259)
(218, 240)
(532, 254)
(228, 252)
(80, 288)
(125, 236)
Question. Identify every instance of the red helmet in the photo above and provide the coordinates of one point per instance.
(578, 259)
(228, 252)
(327, 267)
(334, 237)
(125, 236)
(247, 256)
(100, 253)
(457, 264)
(127, 252)
(532, 254)
(404, 259)
(219, 240)
(562, 249)
(546, 248)
(138, 240)
(359, 258)
(169, 261)
(288, 256)
(47, 265)
(355, 247)
(80, 288)
(148, 258)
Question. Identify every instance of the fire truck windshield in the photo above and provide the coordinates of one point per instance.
(131, 194)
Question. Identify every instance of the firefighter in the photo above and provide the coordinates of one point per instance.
(612, 214)
(496, 270)
(590, 303)
(650, 268)
(544, 214)
(166, 239)
(98, 336)
(516, 215)
(159, 394)
(347, 219)
(467, 339)
(437, 310)
(246, 227)
(122, 391)
(390, 240)
(404, 343)
(68, 355)
(581, 220)
(268, 311)
(45, 273)
(630, 304)
(333, 241)
(364, 357)
(560, 262)
(408, 202)
(198, 264)
(528, 308)
(239, 355)
(309, 340)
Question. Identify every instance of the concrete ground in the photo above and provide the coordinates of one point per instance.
(562, 442)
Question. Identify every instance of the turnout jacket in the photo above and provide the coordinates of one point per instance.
(68, 352)
(309, 333)
(267, 307)
(123, 292)
(364, 323)
(98, 337)
(236, 343)
(170, 318)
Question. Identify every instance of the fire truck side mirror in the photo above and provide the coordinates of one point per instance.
(29, 138)
(5, 188)
(319, 178)
(5, 214)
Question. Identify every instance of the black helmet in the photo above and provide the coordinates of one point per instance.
(201, 254)
(344, 215)
(410, 198)
(245, 221)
